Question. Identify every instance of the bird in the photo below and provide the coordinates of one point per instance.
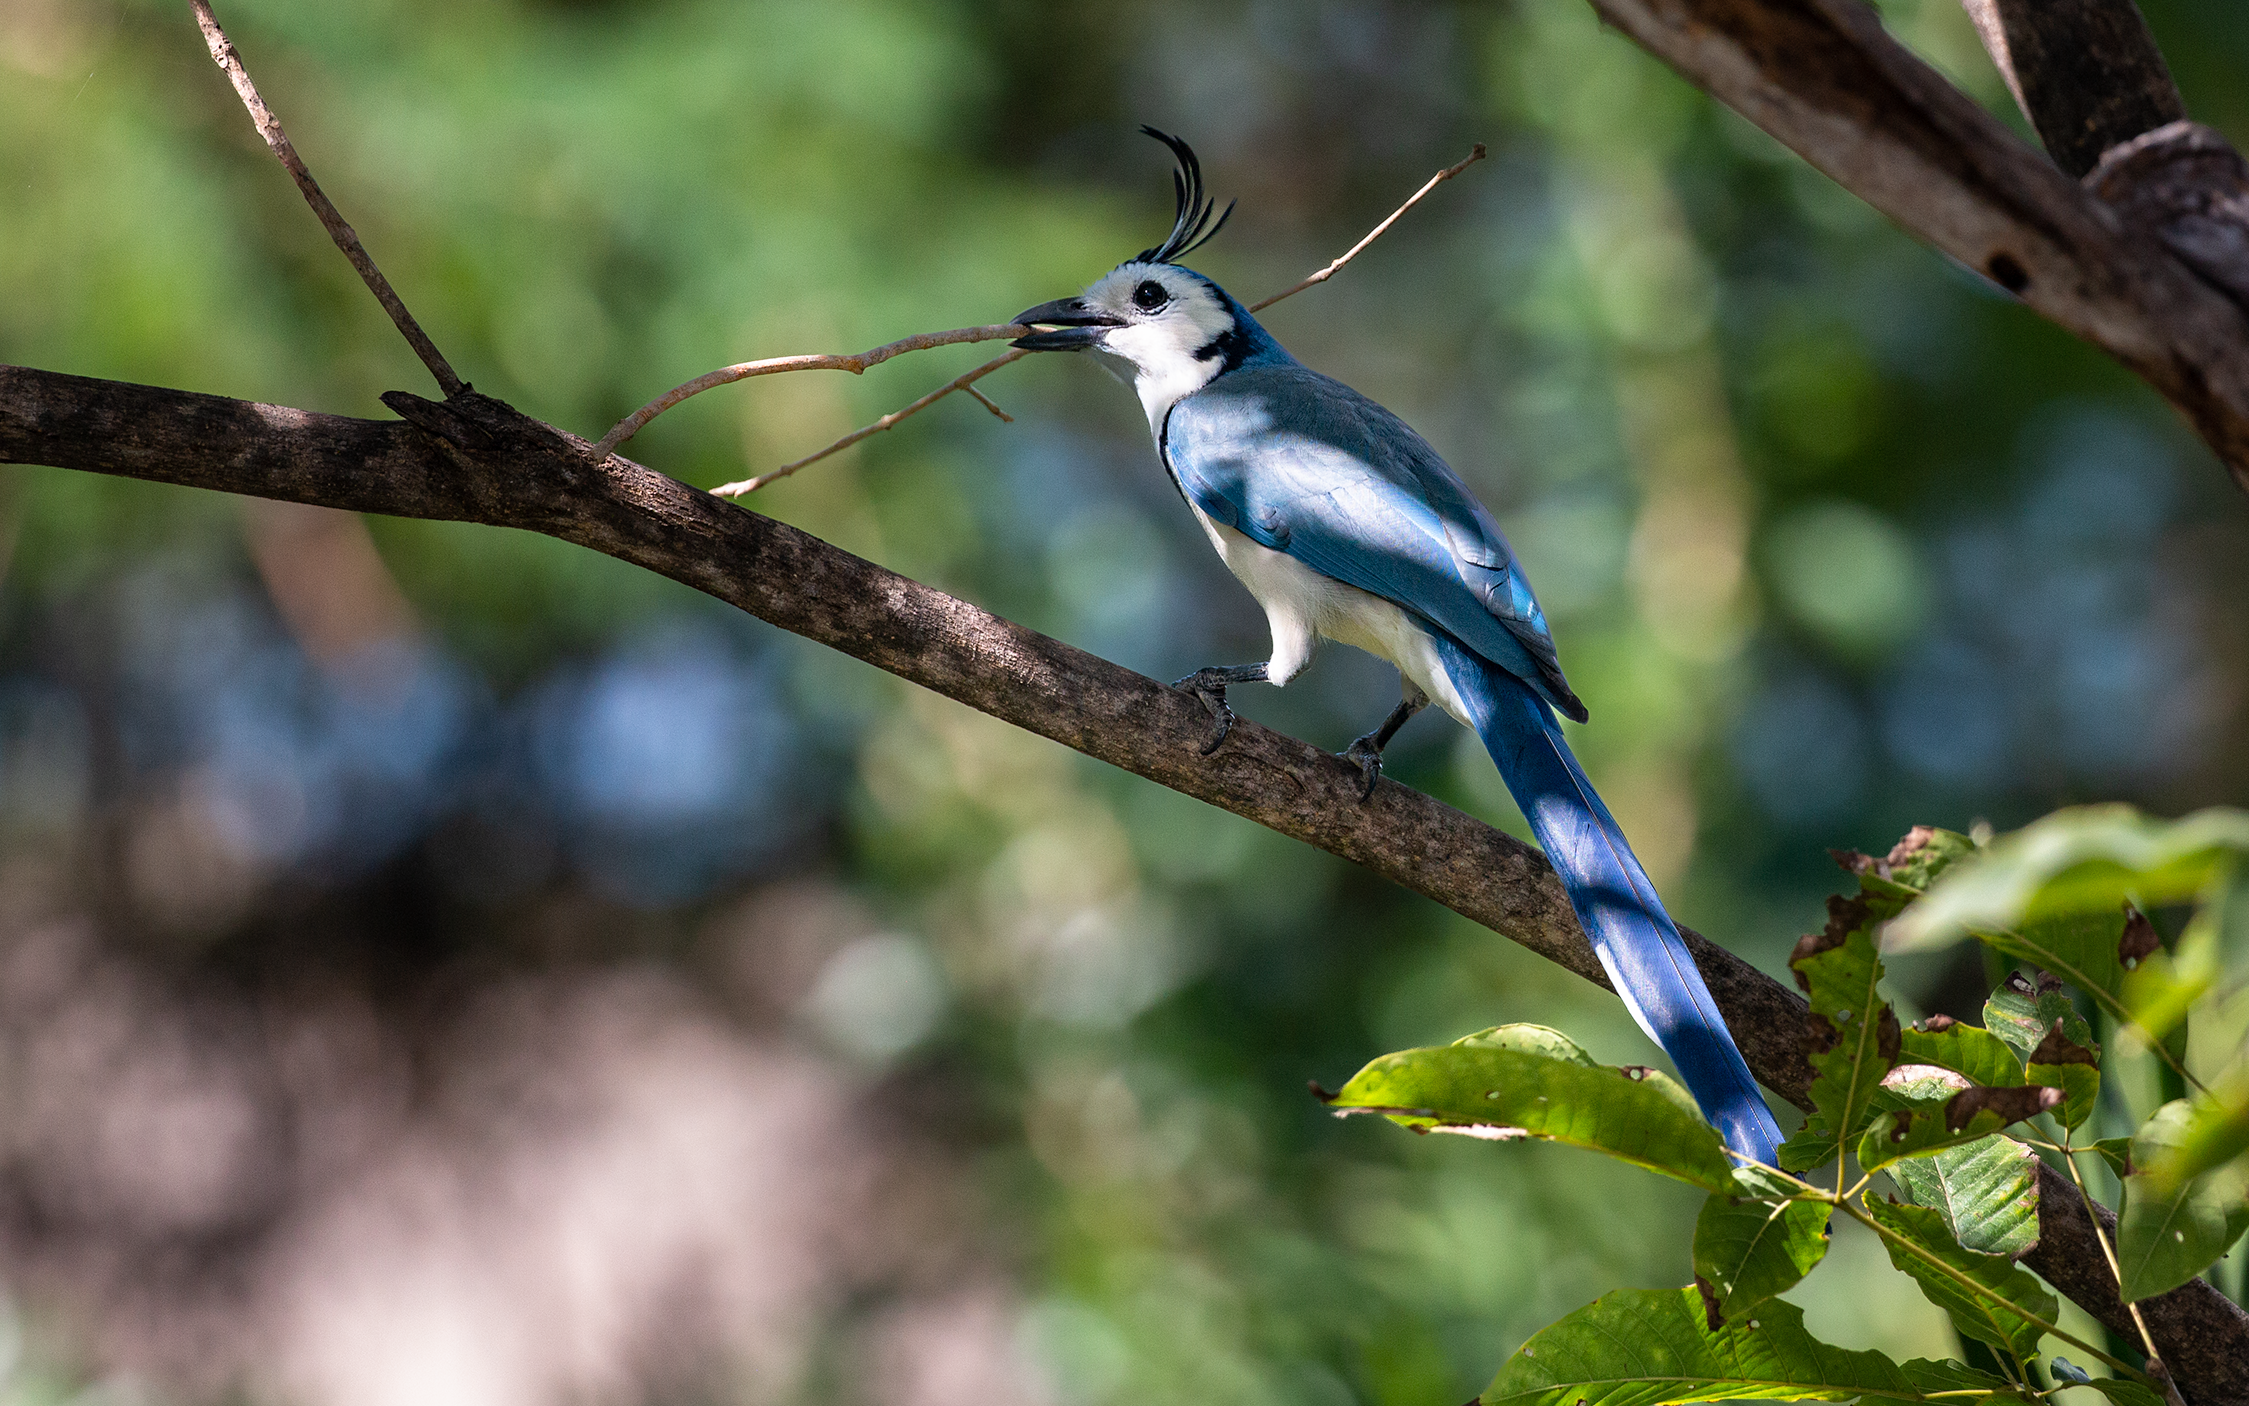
(1346, 525)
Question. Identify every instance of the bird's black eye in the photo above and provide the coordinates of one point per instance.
(1149, 296)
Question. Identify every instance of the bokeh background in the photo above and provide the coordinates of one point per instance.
(440, 965)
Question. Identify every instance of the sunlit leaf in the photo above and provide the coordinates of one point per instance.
(1851, 1035)
(1987, 1192)
(1529, 1081)
(1647, 1347)
(1985, 1317)
(1927, 1125)
(1965, 1049)
(1749, 1248)
(1911, 866)
(2171, 1231)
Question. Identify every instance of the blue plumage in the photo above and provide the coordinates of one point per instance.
(1346, 525)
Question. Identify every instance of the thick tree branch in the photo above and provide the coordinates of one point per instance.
(1823, 77)
(2086, 73)
(474, 459)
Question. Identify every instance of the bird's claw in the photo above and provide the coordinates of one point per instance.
(1369, 758)
(1208, 686)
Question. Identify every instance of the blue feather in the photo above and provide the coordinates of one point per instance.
(1638, 944)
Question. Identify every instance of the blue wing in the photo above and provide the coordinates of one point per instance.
(1305, 465)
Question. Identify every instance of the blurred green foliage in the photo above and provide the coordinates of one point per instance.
(1835, 539)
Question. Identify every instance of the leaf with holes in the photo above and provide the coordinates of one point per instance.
(1528, 1081)
(1749, 1248)
(1969, 1050)
(2172, 1230)
(2021, 1011)
(1986, 1317)
(1851, 1035)
(1987, 1192)
(1649, 1347)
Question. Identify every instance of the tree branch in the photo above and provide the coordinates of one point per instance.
(2086, 73)
(1823, 77)
(229, 61)
(474, 459)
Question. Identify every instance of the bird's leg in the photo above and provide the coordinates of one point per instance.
(1367, 750)
(1209, 685)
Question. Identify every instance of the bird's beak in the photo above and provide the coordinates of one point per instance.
(1075, 326)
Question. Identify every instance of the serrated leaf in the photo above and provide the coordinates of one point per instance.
(1851, 1034)
(2021, 1011)
(1985, 1318)
(1987, 1192)
(1648, 1347)
(1962, 1048)
(1749, 1248)
(2084, 860)
(1928, 1125)
(2061, 1063)
(1529, 1081)
(2171, 1231)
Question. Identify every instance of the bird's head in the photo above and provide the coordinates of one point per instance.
(1166, 329)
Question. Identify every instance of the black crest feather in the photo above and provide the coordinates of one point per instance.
(1191, 227)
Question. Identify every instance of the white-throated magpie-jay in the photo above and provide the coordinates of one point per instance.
(1346, 525)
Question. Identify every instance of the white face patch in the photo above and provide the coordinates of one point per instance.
(1169, 316)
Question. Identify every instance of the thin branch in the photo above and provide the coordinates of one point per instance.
(855, 362)
(959, 383)
(473, 459)
(229, 61)
(751, 485)
(1376, 233)
(2087, 73)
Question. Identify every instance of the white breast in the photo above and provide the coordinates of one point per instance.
(1302, 607)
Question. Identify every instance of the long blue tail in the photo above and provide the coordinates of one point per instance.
(1632, 934)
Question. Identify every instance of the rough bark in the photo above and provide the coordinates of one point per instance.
(2087, 73)
(1823, 78)
(474, 459)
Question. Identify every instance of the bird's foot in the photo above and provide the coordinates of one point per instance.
(1209, 687)
(1367, 753)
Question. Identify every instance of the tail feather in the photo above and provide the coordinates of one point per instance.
(1634, 937)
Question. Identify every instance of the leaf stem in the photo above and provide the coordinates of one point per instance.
(2139, 1320)
(1968, 1282)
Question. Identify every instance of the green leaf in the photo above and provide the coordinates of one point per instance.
(2021, 1013)
(1529, 1081)
(2172, 1231)
(1962, 1048)
(1987, 1192)
(2122, 1392)
(1984, 1317)
(1911, 866)
(1851, 1035)
(2216, 1131)
(2061, 1063)
(2085, 860)
(1647, 1347)
(1929, 1124)
(1749, 1248)
(2117, 1152)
